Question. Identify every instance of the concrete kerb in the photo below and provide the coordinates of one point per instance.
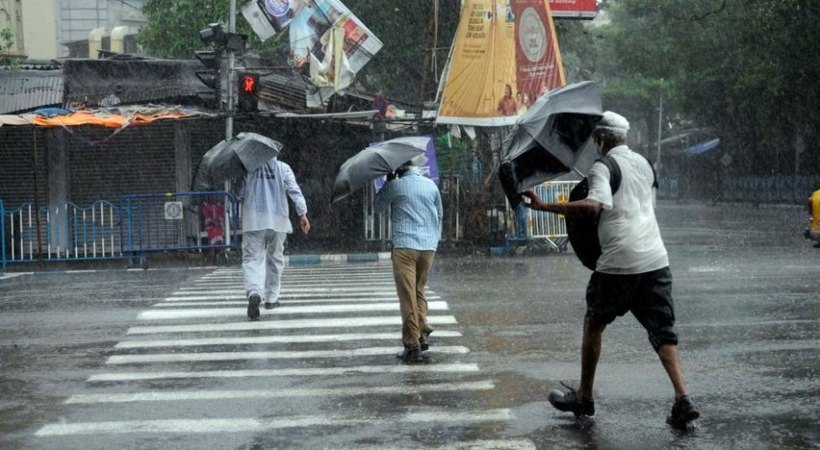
(290, 260)
(303, 260)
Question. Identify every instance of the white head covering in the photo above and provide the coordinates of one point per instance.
(614, 124)
(417, 161)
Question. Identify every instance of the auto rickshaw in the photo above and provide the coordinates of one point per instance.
(813, 230)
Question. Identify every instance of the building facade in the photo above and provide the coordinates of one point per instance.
(44, 29)
(32, 27)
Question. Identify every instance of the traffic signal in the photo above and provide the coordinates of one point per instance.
(209, 76)
(248, 89)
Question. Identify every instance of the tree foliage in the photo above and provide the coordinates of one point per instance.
(746, 69)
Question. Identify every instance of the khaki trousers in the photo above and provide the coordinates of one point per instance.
(410, 269)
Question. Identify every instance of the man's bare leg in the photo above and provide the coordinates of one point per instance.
(590, 352)
(670, 358)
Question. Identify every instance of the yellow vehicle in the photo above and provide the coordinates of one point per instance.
(813, 231)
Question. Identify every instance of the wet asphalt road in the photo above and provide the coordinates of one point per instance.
(747, 293)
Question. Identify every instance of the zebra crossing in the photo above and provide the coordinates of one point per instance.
(195, 370)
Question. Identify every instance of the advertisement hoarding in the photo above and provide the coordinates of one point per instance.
(505, 55)
(578, 9)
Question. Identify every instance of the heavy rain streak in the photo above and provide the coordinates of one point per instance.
(383, 224)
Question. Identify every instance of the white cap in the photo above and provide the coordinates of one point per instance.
(614, 123)
(419, 161)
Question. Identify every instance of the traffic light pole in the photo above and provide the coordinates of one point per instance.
(230, 95)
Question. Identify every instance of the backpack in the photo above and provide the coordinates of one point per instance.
(583, 230)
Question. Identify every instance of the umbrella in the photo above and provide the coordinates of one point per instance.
(234, 158)
(375, 161)
(551, 138)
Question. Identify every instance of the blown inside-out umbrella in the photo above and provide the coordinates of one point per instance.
(552, 139)
(234, 158)
(376, 161)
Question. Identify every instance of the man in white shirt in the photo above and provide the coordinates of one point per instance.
(265, 226)
(632, 274)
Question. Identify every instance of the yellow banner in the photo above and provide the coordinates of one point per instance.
(505, 55)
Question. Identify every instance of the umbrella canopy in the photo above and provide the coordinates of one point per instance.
(551, 138)
(375, 161)
(234, 158)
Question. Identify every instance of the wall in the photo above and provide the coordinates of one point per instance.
(103, 166)
(40, 29)
(17, 168)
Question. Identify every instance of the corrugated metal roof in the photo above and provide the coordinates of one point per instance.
(26, 90)
(283, 92)
(109, 82)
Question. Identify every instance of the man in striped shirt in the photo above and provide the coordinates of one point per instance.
(416, 214)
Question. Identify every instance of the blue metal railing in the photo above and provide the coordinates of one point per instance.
(2, 236)
(142, 223)
(177, 221)
(65, 232)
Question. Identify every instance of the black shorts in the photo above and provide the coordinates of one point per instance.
(648, 295)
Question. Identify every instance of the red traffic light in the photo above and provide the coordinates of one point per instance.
(248, 84)
(248, 92)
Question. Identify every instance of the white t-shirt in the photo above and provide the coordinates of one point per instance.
(628, 230)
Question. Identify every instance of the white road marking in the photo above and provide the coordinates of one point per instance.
(293, 372)
(213, 302)
(278, 339)
(6, 276)
(246, 356)
(506, 444)
(158, 396)
(190, 313)
(256, 425)
(206, 295)
(347, 322)
(299, 279)
(327, 293)
(290, 290)
(173, 302)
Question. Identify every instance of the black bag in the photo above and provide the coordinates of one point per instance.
(583, 230)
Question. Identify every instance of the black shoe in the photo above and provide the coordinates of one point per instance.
(683, 412)
(409, 355)
(424, 342)
(568, 401)
(271, 305)
(253, 306)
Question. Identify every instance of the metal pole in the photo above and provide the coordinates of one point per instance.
(229, 119)
(660, 121)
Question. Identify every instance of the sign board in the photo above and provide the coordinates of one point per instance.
(324, 36)
(505, 55)
(173, 210)
(574, 9)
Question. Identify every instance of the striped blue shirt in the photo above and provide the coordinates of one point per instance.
(416, 211)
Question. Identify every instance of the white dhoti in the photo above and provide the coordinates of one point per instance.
(263, 261)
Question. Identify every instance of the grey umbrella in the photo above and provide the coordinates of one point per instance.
(234, 158)
(551, 138)
(375, 161)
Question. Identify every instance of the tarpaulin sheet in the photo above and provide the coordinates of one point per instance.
(109, 118)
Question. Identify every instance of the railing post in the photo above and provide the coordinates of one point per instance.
(2, 235)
